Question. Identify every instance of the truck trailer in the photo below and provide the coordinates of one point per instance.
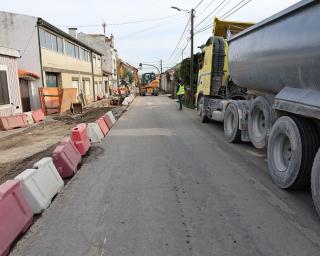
(263, 83)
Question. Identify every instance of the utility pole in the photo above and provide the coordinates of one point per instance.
(191, 61)
(160, 72)
(191, 105)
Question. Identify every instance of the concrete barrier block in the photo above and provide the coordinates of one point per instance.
(80, 138)
(66, 158)
(13, 122)
(38, 115)
(112, 118)
(95, 133)
(29, 117)
(15, 214)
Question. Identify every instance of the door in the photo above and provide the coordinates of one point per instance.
(25, 97)
(75, 84)
(52, 79)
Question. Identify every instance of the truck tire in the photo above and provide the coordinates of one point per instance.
(231, 124)
(260, 121)
(201, 110)
(292, 146)
(315, 182)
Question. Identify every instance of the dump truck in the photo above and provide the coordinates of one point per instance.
(263, 83)
(149, 84)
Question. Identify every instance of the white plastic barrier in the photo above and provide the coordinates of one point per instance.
(29, 117)
(41, 184)
(111, 116)
(94, 132)
(125, 102)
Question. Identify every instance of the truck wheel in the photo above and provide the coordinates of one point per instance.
(260, 121)
(201, 111)
(292, 145)
(315, 182)
(231, 124)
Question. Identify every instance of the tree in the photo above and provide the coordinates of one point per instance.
(185, 71)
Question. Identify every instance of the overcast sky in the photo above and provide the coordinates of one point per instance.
(146, 41)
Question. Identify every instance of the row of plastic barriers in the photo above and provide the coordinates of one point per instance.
(32, 191)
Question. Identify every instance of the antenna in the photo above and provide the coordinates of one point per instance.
(104, 24)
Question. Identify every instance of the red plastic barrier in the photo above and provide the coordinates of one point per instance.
(15, 214)
(103, 126)
(107, 120)
(38, 115)
(12, 122)
(79, 136)
(66, 158)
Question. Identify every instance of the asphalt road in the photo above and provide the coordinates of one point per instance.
(163, 184)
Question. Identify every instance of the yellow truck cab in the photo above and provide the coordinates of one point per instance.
(213, 76)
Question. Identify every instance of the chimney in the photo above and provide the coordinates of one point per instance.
(73, 32)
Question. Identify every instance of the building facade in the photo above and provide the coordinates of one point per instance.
(10, 99)
(105, 45)
(59, 59)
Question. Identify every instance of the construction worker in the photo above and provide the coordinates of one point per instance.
(180, 93)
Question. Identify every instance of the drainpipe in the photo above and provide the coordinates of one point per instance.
(94, 93)
(39, 45)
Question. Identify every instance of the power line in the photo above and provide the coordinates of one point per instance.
(237, 9)
(181, 37)
(224, 16)
(223, 7)
(176, 58)
(232, 8)
(139, 32)
(210, 14)
(123, 23)
(198, 4)
(142, 31)
(210, 24)
(206, 8)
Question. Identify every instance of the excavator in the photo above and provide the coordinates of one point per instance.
(149, 84)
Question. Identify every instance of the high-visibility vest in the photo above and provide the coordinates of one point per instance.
(181, 90)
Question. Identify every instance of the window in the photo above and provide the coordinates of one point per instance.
(87, 56)
(4, 90)
(52, 79)
(82, 54)
(75, 83)
(54, 44)
(60, 45)
(86, 87)
(51, 41)
(70, 49)
(76, 51)
(94, 60)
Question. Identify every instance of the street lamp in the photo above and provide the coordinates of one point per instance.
(179, 9)
(191, 57)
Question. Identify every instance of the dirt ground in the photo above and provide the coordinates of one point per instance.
(20, 150)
